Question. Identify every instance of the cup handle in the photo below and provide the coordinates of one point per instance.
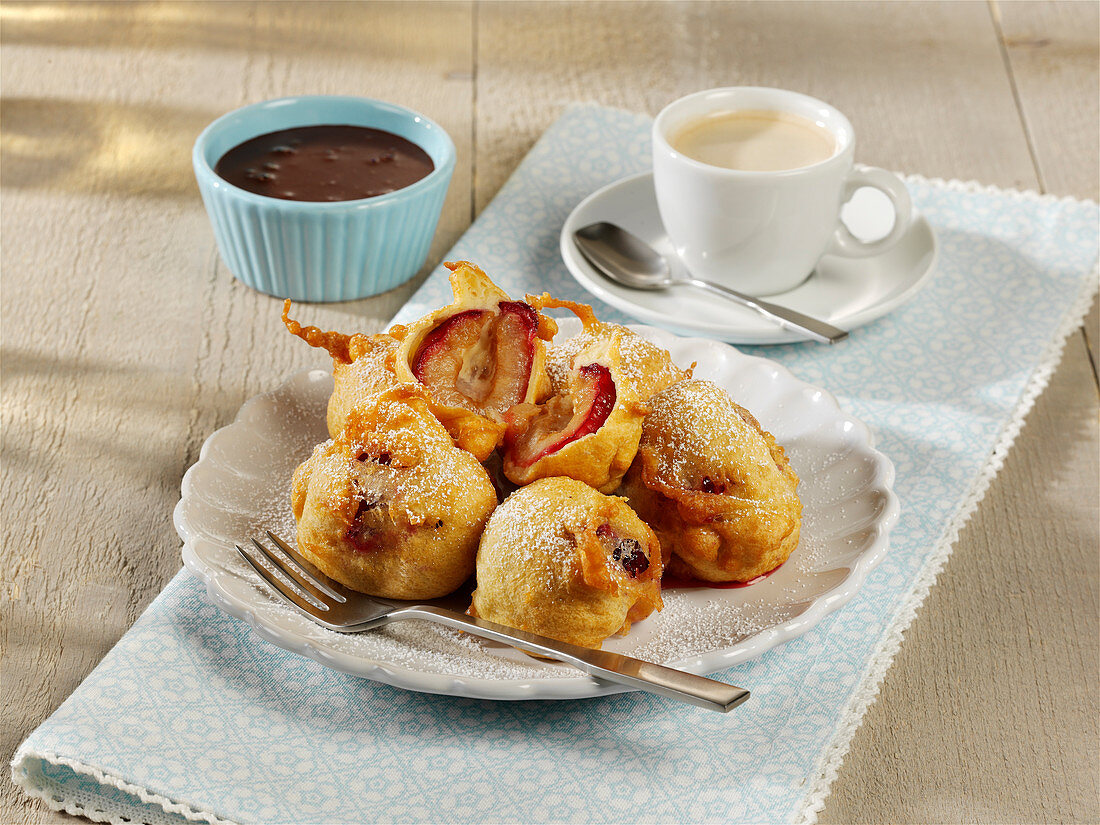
(847, 244)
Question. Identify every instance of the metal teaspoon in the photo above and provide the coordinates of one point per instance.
(628, 260)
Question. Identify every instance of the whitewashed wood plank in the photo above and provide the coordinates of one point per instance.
(923, 83)
(1054, 54)
(125, 341)
(917, 79)
(1009, 633)
(989, 711)
(1053, 51)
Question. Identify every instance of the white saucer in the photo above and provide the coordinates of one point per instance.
(846, 292)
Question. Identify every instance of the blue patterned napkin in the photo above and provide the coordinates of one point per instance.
(190, 717)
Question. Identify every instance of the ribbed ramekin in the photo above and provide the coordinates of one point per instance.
(323, 251)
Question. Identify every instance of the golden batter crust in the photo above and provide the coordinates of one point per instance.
(392, 507)
(537, 444)
(362, 365)
(648, 367)
(563, 560)
(714, 485)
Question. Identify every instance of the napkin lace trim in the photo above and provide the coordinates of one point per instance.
(89, 805)
(828, 764)
(977, 187)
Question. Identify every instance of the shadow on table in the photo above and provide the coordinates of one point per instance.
(260, 28)
(120, 423)
(99, 147)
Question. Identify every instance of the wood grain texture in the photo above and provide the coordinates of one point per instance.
(1053, 54)
(908, 75)
(1054, 57)
(125, 341)
(989, 713)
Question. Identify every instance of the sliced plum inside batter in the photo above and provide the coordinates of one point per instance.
(371, 520)
(541, 431)
(626, 551)
(480, 359)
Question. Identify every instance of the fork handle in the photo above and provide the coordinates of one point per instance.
(603, 664)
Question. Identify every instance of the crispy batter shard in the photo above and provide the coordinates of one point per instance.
(362, 365)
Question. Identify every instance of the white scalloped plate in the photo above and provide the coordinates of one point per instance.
(240, 486)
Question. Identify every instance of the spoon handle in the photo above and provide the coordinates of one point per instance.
(786, 318)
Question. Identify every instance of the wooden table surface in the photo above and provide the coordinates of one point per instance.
(126, 342)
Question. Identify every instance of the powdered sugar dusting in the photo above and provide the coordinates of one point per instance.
(646, 366)
(692, 625)
(435, 649)
(241, 486)
(695, 424)
(536, 532)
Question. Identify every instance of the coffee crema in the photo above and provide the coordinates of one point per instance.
(325, 163)
(754, 140)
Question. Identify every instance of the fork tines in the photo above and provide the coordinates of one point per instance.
(298, 570)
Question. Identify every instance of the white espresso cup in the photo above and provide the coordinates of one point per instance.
(762, 229)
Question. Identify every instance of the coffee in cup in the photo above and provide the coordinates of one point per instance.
(750, 182)
(754, 140)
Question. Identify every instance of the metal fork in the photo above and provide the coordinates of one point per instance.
(338, 608)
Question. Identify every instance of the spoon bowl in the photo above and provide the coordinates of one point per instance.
(623, 257)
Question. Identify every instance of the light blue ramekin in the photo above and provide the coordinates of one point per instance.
(323, 251)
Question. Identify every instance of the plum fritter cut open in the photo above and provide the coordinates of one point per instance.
(477, 358)
(589, 428)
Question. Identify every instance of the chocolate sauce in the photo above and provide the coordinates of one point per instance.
(325, 163)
